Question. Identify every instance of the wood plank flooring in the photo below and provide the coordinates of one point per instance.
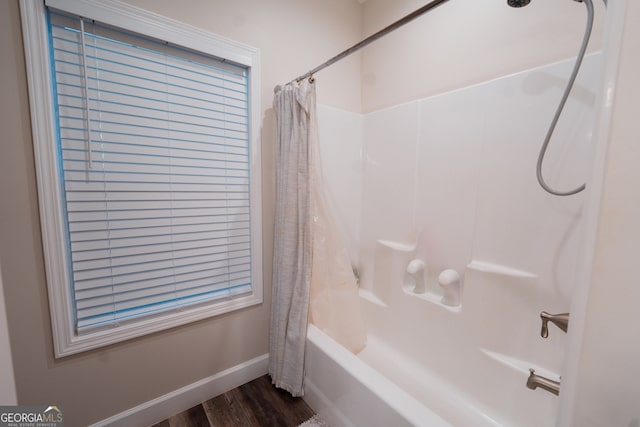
(255, 404)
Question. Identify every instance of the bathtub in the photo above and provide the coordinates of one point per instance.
(345, 391)
(422, 376)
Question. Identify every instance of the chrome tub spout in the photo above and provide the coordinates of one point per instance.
(534, 381)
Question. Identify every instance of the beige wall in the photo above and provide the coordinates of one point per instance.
(464, 42)
(293, 36)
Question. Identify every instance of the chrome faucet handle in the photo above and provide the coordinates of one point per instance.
(560, 320)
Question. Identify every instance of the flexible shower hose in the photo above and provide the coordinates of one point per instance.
(556, 117)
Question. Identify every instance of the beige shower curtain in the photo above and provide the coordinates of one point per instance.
(312, 275)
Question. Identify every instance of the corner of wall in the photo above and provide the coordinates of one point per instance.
(8, 394)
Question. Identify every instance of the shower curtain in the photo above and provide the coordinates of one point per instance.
(312, 275)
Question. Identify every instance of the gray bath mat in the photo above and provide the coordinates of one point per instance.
(314, 421)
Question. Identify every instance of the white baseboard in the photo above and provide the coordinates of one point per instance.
(179, 400)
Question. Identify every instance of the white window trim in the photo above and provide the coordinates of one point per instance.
(36, 46)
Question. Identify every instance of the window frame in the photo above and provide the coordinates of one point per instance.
(43, 119)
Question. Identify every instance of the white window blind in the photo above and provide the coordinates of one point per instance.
(154, 158)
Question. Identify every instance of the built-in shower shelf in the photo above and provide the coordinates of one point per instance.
(371, 297)
(434, 299)
(519, 365)
(503, 270)
(397, 246)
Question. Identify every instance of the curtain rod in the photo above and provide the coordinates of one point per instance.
(399, 23)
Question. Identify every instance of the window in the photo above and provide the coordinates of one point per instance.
(148, 170)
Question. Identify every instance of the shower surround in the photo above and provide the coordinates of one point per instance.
(450, 180)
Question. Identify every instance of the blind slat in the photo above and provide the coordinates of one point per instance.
(119, 313)
(93, 267)
(66, 38)
(71, 91)
(132, 253)
(170, 271)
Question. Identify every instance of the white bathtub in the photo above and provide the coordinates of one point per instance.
(414, 372)
(345, 391)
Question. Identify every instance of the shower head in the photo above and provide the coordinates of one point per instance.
(518, 3)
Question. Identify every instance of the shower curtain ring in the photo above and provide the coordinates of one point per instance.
(312, 79)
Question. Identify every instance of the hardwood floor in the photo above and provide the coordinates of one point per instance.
(256, 403)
